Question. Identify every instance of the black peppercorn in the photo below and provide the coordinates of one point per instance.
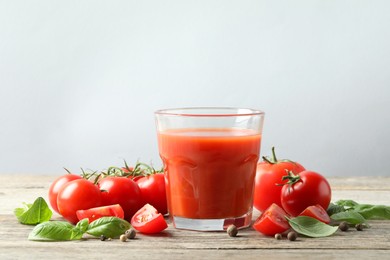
(292, 236)
(278, 236)
(123, 238)
(359, 227)
(232, 231)
(130, 233)
(343, 226)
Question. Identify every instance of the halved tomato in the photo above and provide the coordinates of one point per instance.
(317, 212)
(147, 220)
(98, 212)
(272, 221)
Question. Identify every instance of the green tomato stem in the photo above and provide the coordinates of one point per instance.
(274, 155)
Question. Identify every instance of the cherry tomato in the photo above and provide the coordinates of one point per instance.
(317, 212)
(268, 182)
(55, 187)
(272, 221)
(98, 212)
(303, 190)
(122, 191)
(76, 195)
(147, 220)
(153, 191)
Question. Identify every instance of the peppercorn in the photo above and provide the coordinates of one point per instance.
(343, 226)
(359, 227)
(292, 236)
(232, 231)
(130, 233)
(123, 238)
(278, 236)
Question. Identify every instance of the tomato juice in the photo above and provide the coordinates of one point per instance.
(209, 173)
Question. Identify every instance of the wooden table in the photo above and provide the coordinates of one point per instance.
(178, 244)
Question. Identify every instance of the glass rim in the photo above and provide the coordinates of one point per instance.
(211, 112)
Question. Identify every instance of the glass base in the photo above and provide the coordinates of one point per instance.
(212, 224)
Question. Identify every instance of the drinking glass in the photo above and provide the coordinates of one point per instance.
(210, 156)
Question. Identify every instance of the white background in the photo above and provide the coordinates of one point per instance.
(80, 80)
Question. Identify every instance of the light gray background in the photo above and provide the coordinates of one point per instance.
(80, 80)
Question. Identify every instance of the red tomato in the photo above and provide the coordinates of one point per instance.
(153, 191)
(147, 220)
(305, 189)
(98, 212)
(317, 212)
(76, 195)
(268, 180)
(56, 185)
(122, 191)
(272, 221)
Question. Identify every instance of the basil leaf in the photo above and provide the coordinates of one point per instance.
(108, 226)
(350, 216)
(82, 225)
(311, 227)
(347, 203)
(55, 231)
(334, 208)
(373, 211)
(35, 213)
(368, 211)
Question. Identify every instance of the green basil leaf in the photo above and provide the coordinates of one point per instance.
(347, 203)
(55, 231)
(108, 226)
(334, 208)
(32, 214)
(368, 211)
(350, 216)
(82, 225)
(373, 211)
(311, 227)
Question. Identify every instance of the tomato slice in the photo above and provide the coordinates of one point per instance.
(98, 212)
(317, 212)
(147, 220)
(272, 221)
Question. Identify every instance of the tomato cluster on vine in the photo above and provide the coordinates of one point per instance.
(118, 191)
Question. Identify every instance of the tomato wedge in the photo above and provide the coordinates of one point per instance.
(98, 212)
(272, 221)
(317, 212)
(147, 220)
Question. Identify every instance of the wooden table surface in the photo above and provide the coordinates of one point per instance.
(179, 244)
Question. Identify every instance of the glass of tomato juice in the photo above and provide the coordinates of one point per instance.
(210, 156)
